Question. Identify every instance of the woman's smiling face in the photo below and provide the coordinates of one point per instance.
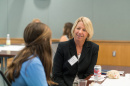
(80, 33)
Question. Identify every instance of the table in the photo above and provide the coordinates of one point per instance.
(123, 80)
(126, 69)
(89, 82)
(8, 52)
(6, 55)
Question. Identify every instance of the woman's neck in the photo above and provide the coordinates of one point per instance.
(79, 43)
(79, 46)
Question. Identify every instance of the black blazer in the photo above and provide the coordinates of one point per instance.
(63, 72)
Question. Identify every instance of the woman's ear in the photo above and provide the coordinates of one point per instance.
(88, 36)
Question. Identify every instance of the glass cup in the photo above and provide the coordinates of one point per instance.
(82, 82)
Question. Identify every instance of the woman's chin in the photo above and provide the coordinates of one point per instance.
(79, 39)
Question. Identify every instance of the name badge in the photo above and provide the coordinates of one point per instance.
(72, 60)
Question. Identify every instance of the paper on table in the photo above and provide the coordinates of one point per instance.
(121, 72)
(102, 78)
(12, 48)
(122, 81)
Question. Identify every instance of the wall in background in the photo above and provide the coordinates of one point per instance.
(113, 53)
(110, 18)
(106, 55)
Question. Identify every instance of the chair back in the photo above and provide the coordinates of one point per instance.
(54, 48)
(3, 80)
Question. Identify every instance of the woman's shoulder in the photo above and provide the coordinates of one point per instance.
(63, 38)
(35, 60)
(63, 44)
(32, 62)
(93, 44)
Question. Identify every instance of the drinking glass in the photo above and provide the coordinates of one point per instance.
(127, 75)
(82, 82)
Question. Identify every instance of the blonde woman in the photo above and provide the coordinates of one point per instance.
(75, 59)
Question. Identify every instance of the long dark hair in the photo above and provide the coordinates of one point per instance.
(67, 29)
(37, 38)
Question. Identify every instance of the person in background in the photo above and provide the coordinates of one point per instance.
(75, 59)
(32, 66)
(36, 20)
(66, 32)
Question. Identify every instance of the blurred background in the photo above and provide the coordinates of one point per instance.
(110, 18)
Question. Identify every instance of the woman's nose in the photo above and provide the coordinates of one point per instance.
(80, 31)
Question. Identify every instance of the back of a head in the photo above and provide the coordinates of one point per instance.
(36, 20)
(37, 38)
(67, 29)
(36, 33)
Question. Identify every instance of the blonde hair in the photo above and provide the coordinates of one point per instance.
(88, 26)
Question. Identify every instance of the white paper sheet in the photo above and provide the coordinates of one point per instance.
(102, 78)
(122, 81)
(12, 48)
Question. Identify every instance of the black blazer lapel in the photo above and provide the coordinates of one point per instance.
(85, 50)
(74, 68)
(72, 48)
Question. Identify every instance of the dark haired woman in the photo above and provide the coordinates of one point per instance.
(66, 32)
(33, 64)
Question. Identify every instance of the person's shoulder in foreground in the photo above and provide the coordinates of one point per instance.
(32, 73)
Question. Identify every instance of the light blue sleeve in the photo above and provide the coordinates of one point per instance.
(34, 74)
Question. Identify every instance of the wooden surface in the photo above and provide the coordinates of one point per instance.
(8, 53)
(106, 47)
(126, 69)
(122, 57)
(19, 40)
(13, 41)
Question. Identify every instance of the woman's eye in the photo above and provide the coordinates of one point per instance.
(78, 28)
(84, 29)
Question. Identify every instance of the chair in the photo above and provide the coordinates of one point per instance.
(54, 48)
(3, 80)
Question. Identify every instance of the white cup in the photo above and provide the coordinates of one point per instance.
(82, 82)
(127, 75)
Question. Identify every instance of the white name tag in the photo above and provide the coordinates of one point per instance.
(72, 60)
